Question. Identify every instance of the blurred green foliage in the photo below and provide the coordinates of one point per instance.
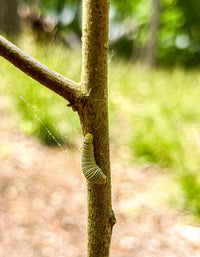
(155, 114)
(159, 112)
(179, 31)
(178, 35)
(41, 112)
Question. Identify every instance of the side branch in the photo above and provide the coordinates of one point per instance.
(65, 87)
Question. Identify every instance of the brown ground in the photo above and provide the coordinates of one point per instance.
(43, 204)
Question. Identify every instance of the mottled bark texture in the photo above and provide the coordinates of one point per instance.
(94, 119)
(91, 102)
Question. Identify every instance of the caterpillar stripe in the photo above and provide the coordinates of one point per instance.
(91, 170)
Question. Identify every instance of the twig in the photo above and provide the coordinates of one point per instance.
(41, 73)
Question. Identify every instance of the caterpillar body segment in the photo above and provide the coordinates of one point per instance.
(91, 170)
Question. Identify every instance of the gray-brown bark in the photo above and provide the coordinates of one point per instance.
(9, 20)
(92, 106)
(38, 71)
(94, 119)
(151, 45)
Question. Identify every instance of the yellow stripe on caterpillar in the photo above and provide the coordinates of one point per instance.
(91, 170)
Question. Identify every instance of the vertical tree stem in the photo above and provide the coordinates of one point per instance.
(94, 119)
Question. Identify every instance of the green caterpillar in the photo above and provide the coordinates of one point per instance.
(91, 170)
